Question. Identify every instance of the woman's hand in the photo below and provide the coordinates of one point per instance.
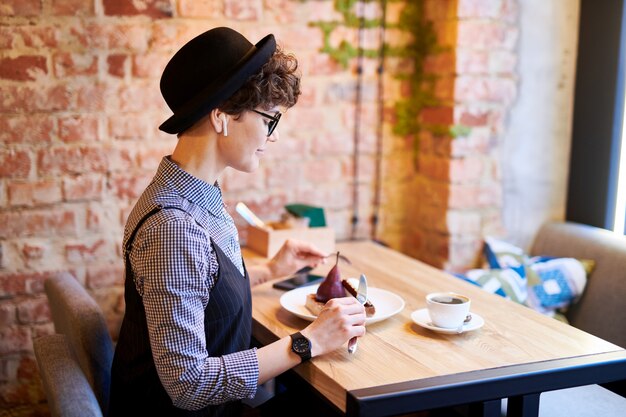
(295, 255)
(339, 321)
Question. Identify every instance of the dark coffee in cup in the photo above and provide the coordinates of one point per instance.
(449, 300)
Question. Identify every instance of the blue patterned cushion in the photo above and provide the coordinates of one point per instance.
(548, 285)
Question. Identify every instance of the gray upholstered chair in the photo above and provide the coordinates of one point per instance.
(67, 389)
(78, 317)
(600, 310)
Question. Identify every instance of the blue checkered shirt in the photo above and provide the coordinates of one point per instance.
(175, 268)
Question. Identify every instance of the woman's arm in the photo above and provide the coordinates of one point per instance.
(292, 256)
(340, 320)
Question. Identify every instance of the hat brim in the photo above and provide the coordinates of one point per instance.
(209, 98)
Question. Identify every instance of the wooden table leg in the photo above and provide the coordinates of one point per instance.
(523, 406)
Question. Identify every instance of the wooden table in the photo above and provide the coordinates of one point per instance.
(401, 367)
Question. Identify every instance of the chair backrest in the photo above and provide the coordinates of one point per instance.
(77, 316)
(68, 392)
(600, 309)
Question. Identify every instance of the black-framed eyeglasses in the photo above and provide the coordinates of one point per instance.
(271, 126)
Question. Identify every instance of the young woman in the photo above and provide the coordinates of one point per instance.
(184, 344)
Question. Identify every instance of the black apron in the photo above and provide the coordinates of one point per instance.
(135, 386)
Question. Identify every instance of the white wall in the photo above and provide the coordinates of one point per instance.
(537, 140)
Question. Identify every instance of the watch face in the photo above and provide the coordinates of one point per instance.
(301, 345)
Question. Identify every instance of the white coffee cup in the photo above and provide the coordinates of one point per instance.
(447, 310)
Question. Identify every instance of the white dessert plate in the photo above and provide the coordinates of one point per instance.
(386, 303)
(421, 318)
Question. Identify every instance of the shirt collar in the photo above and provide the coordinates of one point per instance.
(189, 187)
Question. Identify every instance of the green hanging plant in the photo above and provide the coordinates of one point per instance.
(423, 43)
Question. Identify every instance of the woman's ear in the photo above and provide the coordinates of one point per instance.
(219, 121)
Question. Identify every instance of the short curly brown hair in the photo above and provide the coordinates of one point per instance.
(277, 83)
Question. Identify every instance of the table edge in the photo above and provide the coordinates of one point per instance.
(487, 384)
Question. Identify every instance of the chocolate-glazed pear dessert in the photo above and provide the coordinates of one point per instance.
(331, 287)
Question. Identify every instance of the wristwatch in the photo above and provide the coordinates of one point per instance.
(301, 346)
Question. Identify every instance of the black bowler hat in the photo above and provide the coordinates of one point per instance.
(206, 71)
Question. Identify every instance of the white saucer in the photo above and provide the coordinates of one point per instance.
(421, 318)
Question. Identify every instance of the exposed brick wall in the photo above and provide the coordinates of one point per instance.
(80, 106)
(453, 195)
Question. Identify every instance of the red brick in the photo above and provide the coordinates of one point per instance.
(116, 64)
(121, 159)
(15, 339)
(50, 222)
(151, 8)
(441, 63)
(211, 9)
(129, 186)
(446, 32)
(138, 98)
(28, 368)
(74, 160)
(33, 310)
(34, 193)
(83, 187)
(96, 97)
(72, 8)
(69, 65)
(239, 10)
(474, 118)
(14, 163)
(81, 253)
(434, 167)
(31, 36)
(78, 128)
(31, 129)
(27, 100)
(23, 68)
(8, 313)
(284, 12)
(437, 115)
(129, 126)
(149, 65)
(20, 7)
(440, 9)
(105, 276)
(150, 157)
(33, 251)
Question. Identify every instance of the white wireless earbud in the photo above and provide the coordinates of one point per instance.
(224, 125)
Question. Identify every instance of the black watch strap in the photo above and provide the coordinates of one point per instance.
(301, 346)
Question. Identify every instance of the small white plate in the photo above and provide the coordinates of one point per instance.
(421, 318)
(387, 303)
